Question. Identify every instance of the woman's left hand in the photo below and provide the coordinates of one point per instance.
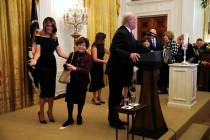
(32, 62)
(71, 67)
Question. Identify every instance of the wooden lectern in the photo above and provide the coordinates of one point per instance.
(149, 122)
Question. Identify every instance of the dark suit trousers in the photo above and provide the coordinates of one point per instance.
(164, 77)
(115, 97)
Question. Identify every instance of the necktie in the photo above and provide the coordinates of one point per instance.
(131, 34)
(154, 43)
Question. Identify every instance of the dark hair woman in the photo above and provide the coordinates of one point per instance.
(80, 66)
(45, 63)
(97, 83)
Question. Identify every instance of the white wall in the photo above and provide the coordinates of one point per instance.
(184, 16)
(55, 9)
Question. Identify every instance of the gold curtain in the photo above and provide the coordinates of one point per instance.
(206, 23)
(14, 25)
(102, 17)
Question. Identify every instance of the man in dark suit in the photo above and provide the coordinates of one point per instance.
(155, 41)
(123, 55)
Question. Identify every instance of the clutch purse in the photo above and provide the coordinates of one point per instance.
(65, 77)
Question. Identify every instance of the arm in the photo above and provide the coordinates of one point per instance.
(94, 55)
(121, 47)
(85, 68)
(69, 61)
(87, 65)
(60, 54)
(36, 55)
(106, 50)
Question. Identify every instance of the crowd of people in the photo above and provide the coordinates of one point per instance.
(124, 52)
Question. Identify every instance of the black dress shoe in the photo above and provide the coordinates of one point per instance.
(79, 120)
(67, 123)
(117, 125)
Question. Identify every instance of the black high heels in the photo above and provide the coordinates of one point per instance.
(51, 118)
(101, 101)
(41, 121)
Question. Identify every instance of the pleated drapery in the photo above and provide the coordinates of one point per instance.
(102, 17)
(14, 25)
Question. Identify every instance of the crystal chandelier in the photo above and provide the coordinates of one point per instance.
(76, 17)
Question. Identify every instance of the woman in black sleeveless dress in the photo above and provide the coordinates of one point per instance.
(97, 72)
(45, 63)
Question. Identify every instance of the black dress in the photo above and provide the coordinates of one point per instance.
(97, 72)
(46, 66)
(77, 88)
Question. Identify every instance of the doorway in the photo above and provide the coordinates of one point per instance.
(156, 22)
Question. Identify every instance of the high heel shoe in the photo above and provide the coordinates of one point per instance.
(51, 118)
(96, 102)
(41, 121)
(101, 101)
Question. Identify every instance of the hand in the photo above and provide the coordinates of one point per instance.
(105, 61)
(71, 67)
(135, 57)
(32, 62)
(204, 62)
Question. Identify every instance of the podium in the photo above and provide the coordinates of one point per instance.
(185, 78)
(149, 122)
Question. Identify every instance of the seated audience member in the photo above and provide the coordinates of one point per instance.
(169, 46)
(80, 66)
(195, 53)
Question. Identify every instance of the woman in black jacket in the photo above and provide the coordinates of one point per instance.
(80, 66)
